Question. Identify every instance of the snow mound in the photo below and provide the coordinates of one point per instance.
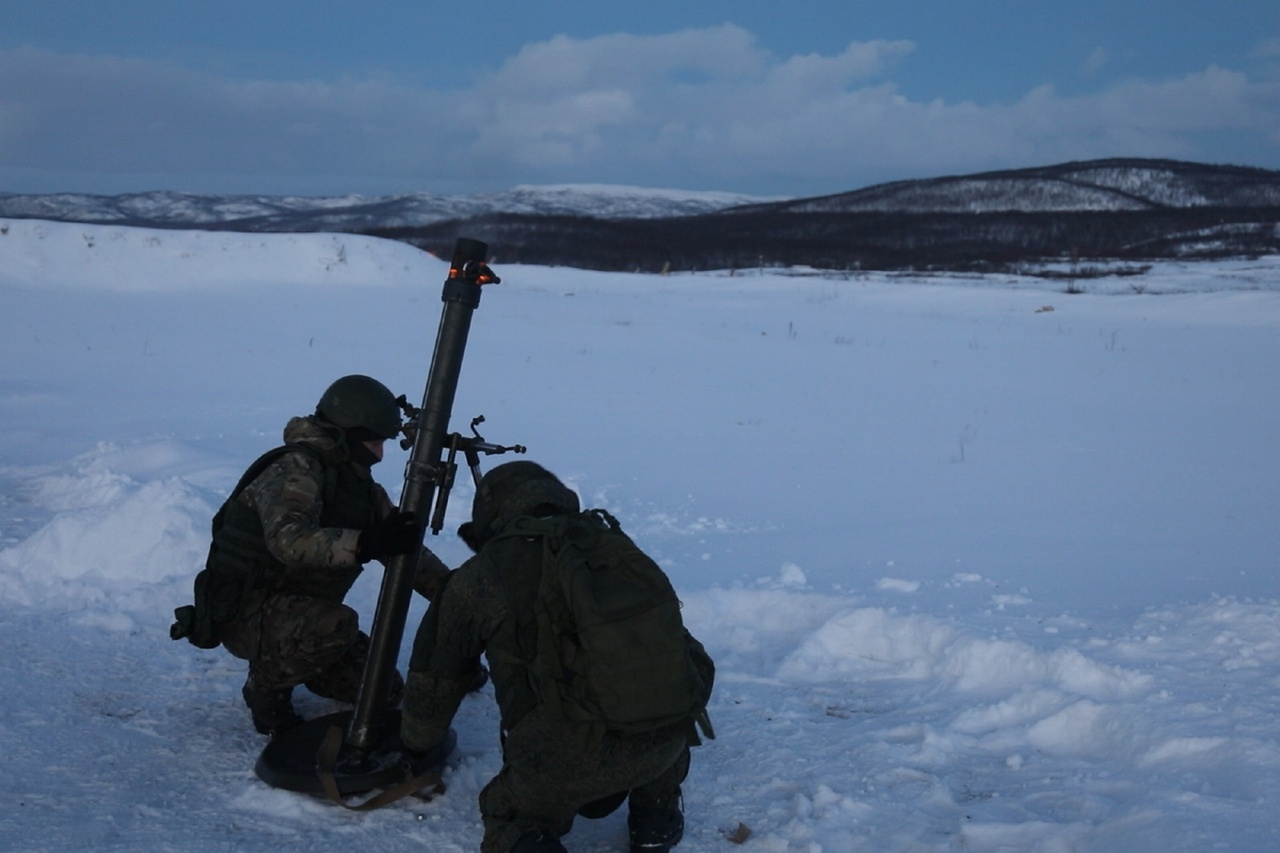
(112, 541)
(36, 254)
(870, 643)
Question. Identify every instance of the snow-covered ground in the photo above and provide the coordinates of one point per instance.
(984, 565)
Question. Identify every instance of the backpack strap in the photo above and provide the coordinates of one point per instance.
(549, 531)
(557, 533)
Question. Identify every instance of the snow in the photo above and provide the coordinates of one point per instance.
(984, 565)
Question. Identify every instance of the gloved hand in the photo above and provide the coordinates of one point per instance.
(395, 534)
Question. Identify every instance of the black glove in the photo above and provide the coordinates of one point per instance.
(395, 534)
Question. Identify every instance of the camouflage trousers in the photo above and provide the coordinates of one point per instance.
(550, 775)
(298, 639)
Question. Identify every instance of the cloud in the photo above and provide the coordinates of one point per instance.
(705, 108)
(1269, 49)
(102, 114)
(677, 102)
(628, 60)
(1096, 61)
(710, 107)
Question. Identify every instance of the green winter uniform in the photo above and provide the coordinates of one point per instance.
(553, 769)
(300, 520)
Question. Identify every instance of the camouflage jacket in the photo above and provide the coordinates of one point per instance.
(288, 498)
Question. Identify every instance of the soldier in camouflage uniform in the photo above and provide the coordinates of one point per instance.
(551, 770)
(311, 519)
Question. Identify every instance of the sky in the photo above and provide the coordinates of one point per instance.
(328, 97)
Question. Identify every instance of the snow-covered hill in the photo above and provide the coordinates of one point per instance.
(362, 213)
(1133, 210)
(1100, 185)
(1089, 186)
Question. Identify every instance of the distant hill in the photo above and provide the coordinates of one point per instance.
(1115, 209)
(1095, 185)
(357, 213)
(1127, 211)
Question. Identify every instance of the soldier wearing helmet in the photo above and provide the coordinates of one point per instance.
(553, 769)
(290, 542)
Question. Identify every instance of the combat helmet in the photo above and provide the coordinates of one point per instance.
(509, 491)
(362, 407)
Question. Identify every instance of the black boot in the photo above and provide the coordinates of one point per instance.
(655, 830)
(272, 710)
(538, 842)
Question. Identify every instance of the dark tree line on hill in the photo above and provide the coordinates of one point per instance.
(1129, 210)
(862, 240)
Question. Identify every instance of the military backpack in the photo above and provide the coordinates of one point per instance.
(612, 649)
